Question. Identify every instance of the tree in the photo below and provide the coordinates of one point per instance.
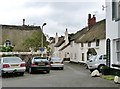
(34, 41)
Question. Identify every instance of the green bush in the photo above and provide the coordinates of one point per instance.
(105, 67)
(105, 70)
(6, 49)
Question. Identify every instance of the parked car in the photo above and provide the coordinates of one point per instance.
(96, 62)
(38, 64)
(12, 65)
(57, 62)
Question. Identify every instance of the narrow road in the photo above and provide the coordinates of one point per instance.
(73, 75)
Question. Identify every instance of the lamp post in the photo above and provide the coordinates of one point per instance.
(42, 35)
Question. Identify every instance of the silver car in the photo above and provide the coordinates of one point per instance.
(96, 62)
(12, 65)
(57, 62)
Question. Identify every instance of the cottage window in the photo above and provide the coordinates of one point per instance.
(7, 43)
(116, 10)
(89, 44)
(75, 56)
(97, 42)
(65, 55)
(71, 56)
(82, 56)
(72, 43)
(118, 50)
(82, 45)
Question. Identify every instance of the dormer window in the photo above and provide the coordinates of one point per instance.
(7, 43)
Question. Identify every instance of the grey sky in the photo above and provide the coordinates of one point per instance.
(58, 15)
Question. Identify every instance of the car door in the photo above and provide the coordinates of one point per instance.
(102, 59)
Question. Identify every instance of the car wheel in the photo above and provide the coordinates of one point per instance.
(86, 66)
(2, 74)
(62, 68)
(22, 73)
(30, 71)
(100, 68)
(48, 71)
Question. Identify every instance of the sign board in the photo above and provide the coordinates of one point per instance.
(41, 49)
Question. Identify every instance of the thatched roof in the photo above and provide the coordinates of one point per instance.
(69, 38)
(96, 32)
(64, 47)
(60, 41)
(79, 33)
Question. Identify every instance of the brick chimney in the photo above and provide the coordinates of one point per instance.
(23, 22)
(91, 21)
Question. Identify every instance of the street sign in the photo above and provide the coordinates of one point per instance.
(41, 49)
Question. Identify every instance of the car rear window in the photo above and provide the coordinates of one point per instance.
(39, 59)
(55, 59)
(12, 60)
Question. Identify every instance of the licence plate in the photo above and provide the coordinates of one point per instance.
(41, 64)
(14, 65)
(57, 62)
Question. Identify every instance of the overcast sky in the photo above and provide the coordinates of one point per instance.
(58, 14)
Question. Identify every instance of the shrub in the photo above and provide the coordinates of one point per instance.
(105, 70)
(7, 49)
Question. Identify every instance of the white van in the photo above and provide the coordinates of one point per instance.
(96, 62)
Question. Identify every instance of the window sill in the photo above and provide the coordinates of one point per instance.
(116, 65)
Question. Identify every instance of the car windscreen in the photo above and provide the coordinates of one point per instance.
(12, 60)
(39, 59)
(55, 59)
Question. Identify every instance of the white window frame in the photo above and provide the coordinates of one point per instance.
(116, 10)
(118, 50)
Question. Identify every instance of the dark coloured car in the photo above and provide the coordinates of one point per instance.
(37, 64)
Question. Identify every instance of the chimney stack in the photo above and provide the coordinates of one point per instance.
(56, 34)
(89, 16)
(94, 19)
(56, 38)
(91, 21)
(23, 22)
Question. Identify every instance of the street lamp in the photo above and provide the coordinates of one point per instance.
(42, 34)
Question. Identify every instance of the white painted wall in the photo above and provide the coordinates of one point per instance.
(76, 48)
(111, 26)
(112, 30)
